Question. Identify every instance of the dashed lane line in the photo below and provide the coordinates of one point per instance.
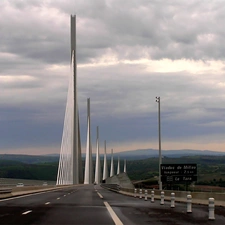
(29, 211)
(47, 203)
(58, 198)
(99, 195)
(115, 218)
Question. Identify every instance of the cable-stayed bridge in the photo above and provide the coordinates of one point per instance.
(70, 162)
(75, 201)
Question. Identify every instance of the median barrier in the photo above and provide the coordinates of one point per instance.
(135, 192)
(114, 187)
(211, 209)
(181, 196)
(152, 196)
(162, 197)
(36, 187)
(140, 193)
(5, 192)
(17, 191)
(146, 195)
(189, 204)
(172, 205)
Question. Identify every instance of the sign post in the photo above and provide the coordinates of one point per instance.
(160, 152)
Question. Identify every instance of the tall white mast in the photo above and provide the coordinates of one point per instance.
(70, 167)
(105, 167)
(118, 166)
(125, 166)
(88, 160)
(112, 165)
(97, 164)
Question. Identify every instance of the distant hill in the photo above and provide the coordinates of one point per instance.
(20, 170)
(211, 168)
(30, 159)
(148, 153)
(129, 155)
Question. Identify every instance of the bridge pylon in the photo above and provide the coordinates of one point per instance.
(70, 164)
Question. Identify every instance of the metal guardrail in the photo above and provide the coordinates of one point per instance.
(5, 191)
(115, 187)
(10, 182)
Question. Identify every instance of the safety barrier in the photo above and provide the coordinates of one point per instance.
(5, 191)
(114, 187)
(182, 198)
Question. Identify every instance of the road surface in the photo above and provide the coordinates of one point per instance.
(89, 204)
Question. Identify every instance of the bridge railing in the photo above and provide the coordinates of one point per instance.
(197, 197)
(5, 190)
(115, 187)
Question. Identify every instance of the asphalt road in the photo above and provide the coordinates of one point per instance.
(89, 204)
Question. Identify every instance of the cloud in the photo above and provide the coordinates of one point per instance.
(128, 52)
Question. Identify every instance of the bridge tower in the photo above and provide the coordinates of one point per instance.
(112, 165)
(105, 165)
(70, 164)
(88, 161)
(125, 166)
(98, 163)
(118, 166)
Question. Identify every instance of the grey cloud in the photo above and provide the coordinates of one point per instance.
(171, 31)
(22, 133)
(22, 5)
(160, 30)
(35, 37)
(135, 96)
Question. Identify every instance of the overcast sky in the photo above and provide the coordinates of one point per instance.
(128, 53)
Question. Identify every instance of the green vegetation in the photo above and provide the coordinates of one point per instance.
(211, 169)
(14, 169)
(30, 159)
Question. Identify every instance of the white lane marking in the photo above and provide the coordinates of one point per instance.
(115, 218)
(64, 195)
(26, 212)
(99, 195)
(58, 198)
(47, 203)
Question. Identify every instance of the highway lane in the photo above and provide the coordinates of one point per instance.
(91, 204)
(75, 205)
(138, 211)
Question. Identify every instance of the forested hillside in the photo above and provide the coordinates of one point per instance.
(211, 169)
(14, 169)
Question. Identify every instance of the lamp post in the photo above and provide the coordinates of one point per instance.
(160, 154)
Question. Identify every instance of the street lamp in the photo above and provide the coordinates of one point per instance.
(160, 154)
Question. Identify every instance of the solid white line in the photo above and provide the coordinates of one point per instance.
(115, 218)
(99, 195)
(47, 203)
(26, 212)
